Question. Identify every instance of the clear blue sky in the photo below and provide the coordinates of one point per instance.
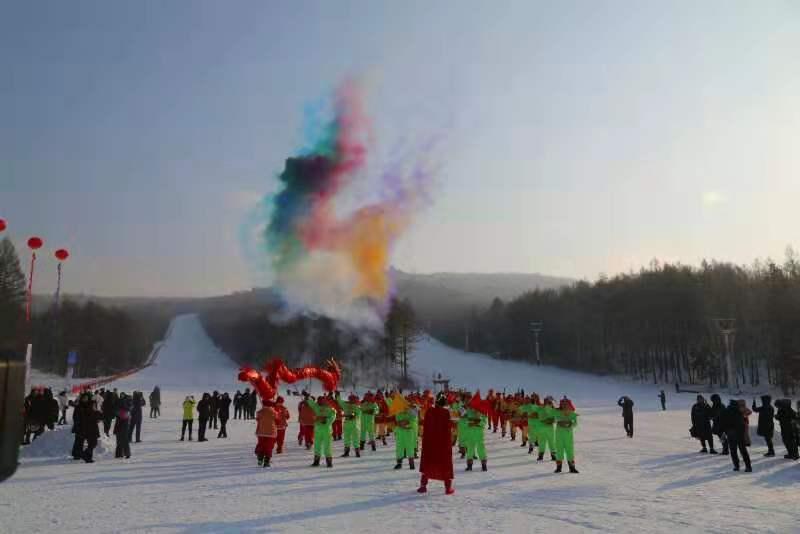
(581, 137)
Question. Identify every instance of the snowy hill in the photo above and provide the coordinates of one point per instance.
(656, 482)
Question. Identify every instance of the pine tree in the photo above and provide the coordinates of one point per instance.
(12, 294)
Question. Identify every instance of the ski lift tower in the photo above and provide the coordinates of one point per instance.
(536, 328)
(727, 327)
(441, 384)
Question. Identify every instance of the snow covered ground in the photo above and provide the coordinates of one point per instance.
(656, 482)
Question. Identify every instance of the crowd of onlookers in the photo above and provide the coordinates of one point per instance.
(731, 425)
(116, 412)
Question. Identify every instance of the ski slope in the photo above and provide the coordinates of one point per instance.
(656, 482)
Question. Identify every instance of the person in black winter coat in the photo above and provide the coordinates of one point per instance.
(203, 414)
(788, 420)
(715, 412)
(155, 403)
(122, 427)
(733, 422)
(137, 404)
(109, 407)
(51, 409)
(214, 410)
(87, 420)
(766, 423)
(237, 405)
(701, 424)
(224, 407)
(626, 404)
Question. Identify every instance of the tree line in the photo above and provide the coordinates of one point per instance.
(659, 325)
(107, 339)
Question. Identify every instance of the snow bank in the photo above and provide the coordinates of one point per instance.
(58, 444)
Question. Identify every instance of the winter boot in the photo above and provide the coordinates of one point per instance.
(558, 467)
(748, 469)
(553, 457)
(358, 453)
(484, 467)
(383, 440)
(346, 453)
(769, 454)
(316, 462)
(703, 450)
(266, 461)
(572, 467)
(423, 484)
(469, 465)
(463, 451)
(329, 462)
(523, 443)
(399, 464)
(448, 487)
(361, 445)
(712, 451)
(260, 460)
(372, 444)
(540, 458)
(411, 464)
(530, 448)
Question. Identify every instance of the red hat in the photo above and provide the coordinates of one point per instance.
(353, 398)
(566, 404)
(279, 400)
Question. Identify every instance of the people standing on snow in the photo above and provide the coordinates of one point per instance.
(213, 410)
(188, 416)
(137, 403)
(351, 413)
(266, 432)
(109, 406)
(715, 412)
(368, 411)
(203, 414)
(701, 424)
(566, 422)
(323, 429)
(86, 421)
(474, 437)
(122, 427)
(404, 415)
(51, 410)
(237, 405)
(663, 398)
(766, 423)
(437, 450)
(63, 404)
(546, 432)
(253, 405)
(281, 423)
(788, 421)
(307, 418)
(626, 404)
(224, 413)
(155, 403)
(734, 423)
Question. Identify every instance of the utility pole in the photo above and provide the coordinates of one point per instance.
(726, 327)
(536, 328)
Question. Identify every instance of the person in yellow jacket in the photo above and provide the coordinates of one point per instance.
(188, 416)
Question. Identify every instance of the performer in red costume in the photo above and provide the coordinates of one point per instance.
(437, 452)
(281, 422)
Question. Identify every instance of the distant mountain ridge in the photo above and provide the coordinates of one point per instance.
(430, 294)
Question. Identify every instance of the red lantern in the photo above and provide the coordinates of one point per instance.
(3, 225)
(35, 243)
(62, 254)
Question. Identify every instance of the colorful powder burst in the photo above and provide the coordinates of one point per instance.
(335, 264)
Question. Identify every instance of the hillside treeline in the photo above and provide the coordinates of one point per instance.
(658, 325)
(107, 339)
(245, 328)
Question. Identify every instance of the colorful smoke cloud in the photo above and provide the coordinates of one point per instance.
(328, 251)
